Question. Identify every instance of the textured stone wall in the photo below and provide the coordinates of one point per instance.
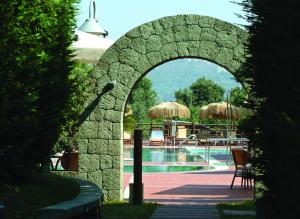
(127, 61)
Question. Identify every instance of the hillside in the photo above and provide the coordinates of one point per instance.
(181, 73)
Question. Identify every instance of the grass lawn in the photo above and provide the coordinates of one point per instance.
(244, 205)
(124, 210)
(22, 201)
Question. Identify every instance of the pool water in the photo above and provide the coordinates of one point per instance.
(167, 168)
(166, 155)
(188, 159)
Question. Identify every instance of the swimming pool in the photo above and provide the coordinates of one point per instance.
(171, 159)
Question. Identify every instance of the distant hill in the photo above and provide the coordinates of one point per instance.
(181, 73)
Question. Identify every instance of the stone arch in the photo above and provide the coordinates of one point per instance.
(127, 61)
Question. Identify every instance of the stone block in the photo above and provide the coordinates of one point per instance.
(116, 162)
(83, 146)
(180, 33)
(153, 44)
(134, 33)
(129, 56)
(111, 55)
(226, 39)
(95, 177)
(154, 58)
(208, 34)
(192, 19)
(105, 162)
(179, 20)
(116, 131)
(105, 130)
(111, 179)
(97, 146)
(114, 147)
(169, 51)
(206, 21)
(224, 56)
(193, 33)
(88, 162)
(183, 49)
(208, 50)
(138, 45)
(143, 65)
(123, 43)
(113, 116)
(88, 129)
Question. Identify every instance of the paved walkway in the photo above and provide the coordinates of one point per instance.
(185, 212)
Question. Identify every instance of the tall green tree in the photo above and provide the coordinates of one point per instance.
(184, 96)
(142, 98)
(35, 65)
(206, 91)
(238, 96)
(201, 92)
(272, 71)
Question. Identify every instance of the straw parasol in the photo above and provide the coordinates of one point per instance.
(169, 110)
(222, 110)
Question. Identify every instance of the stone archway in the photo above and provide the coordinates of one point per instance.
(127, 61)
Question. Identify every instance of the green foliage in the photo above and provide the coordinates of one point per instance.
(79, 92)
(184, 96)
(272, 72)
(35, 65)
(238, 96)
(124, 210)
(206, 91)
(200, 93)
(141, 99)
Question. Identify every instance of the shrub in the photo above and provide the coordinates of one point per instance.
(35, 62)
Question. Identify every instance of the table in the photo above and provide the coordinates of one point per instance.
(227, 142)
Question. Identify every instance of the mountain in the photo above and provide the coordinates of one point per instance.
(181, 73)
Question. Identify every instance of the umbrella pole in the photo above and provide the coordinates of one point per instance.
(227, 116)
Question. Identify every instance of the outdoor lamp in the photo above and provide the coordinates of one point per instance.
(91, 25)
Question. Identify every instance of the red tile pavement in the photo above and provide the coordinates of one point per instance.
(208, 187)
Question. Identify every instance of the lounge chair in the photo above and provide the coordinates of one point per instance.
(157, 137)
(181, 134)
(127, 138)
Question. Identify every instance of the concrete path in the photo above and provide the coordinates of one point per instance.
(186, 212)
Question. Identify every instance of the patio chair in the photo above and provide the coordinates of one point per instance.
(127, 138)
(157, 137)
(243, 167)
(181, 134)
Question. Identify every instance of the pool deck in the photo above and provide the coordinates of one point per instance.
(192, 188)
(210, 187)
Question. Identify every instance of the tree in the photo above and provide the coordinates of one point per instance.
(272, 72)
(142, 98)
(35, 65)
(206, 91)
(184, 96)
(238, 96)
(200, 93)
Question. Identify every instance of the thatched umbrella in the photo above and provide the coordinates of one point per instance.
(222, 110)
(169, 110)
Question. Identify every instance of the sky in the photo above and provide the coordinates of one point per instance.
(120, 16)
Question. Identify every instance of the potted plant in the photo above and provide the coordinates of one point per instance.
(67, 146)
